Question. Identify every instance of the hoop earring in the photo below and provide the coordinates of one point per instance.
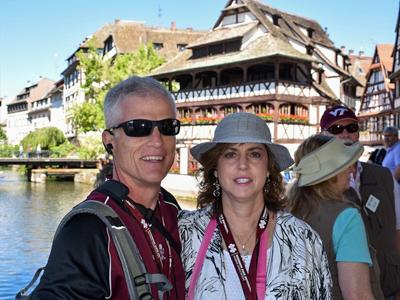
(217, 189)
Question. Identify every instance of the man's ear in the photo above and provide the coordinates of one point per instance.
(106, 137)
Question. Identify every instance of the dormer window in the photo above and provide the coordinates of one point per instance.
(219, 48)
(310, 50)
(108, 45)
(310, 32)
(275, 19)
(181, 47)
(158, 46)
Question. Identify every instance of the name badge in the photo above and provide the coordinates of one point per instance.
(372, 203)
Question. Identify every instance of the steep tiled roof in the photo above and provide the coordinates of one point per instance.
(223, 33)
(288, 23)
(36, 91)
(99, 36)
(128, 36)
(264, 46)
(385, 55)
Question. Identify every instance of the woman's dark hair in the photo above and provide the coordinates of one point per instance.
(274, 193)
(303, 200)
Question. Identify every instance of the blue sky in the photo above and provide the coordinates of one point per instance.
(36, 36)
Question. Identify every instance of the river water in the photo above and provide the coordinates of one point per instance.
(29, 215)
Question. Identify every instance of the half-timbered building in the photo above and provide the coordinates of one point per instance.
(395, 76)
(258, 59)
(377, 105)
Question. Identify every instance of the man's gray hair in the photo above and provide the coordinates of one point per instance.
(391, 130)
(133, 86)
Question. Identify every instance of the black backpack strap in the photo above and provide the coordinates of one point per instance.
(137, 280)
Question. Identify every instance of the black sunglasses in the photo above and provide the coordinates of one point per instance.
(338, 129)
(142, 127)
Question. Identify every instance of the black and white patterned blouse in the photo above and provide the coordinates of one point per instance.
(297, 266)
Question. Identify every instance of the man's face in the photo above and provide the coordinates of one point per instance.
(143, 161)
(389, 139)
(345, 134)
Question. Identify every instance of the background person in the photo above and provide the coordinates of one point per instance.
(83, 264)
(323, 165)
(240, 235)
(392, 157)
(373, 190)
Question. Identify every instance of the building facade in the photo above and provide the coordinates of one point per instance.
(258, 59)
(395, 76)
(28, 110)
(119, 38)
(377, 103)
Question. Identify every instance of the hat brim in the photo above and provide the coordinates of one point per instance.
(281, 153)
(313, 179)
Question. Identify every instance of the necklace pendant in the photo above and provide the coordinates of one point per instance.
(244, 250)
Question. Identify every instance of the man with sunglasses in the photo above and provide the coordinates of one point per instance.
(373, 190)
(141, 129)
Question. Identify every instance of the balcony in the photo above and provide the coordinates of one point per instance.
(253, 89)
(285, 132)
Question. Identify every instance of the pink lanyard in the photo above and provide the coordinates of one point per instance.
(261, 277)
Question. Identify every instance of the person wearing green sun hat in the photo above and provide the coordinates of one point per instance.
(323, 165)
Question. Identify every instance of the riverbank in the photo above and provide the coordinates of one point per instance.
(181, 185)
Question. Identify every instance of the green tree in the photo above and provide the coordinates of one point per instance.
(3, 136)
(101, 74)
(47, 137)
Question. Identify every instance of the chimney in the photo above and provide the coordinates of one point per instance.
(173, 25)
(351, 51)
(343, 49)
(360, 53)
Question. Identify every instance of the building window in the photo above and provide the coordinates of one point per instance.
(275, 19)
(216, 49)
(181, 47)
(158, 46)
(225, 47)
(285, 72)
(108, 45)
(310, 32)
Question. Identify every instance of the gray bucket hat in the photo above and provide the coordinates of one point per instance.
(240, 128)
(327, 161)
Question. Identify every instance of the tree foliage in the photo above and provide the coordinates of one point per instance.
(3, 135)
(47, 137)
(101, 74)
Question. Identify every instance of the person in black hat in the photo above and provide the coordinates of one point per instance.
(240, 224)
(373, 190)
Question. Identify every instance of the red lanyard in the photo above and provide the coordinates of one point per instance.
(158, 251)
(247, 279)
(261, 275)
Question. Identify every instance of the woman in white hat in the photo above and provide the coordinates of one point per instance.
(323, 165)
(239, 244)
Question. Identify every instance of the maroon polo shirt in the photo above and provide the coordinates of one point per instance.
(176, 275)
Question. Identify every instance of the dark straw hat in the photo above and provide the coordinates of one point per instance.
(240, 128)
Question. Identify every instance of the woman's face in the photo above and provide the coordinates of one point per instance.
(242, 170)
(343, 179)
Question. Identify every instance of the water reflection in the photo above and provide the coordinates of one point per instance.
(29, 215)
